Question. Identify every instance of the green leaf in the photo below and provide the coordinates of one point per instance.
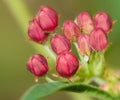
(39, 91)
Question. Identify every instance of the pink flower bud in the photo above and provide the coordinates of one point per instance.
(70, 29)
(67, 64)
(60, 43)
(35, 32)
(117, 87)
(104, 86)
(85, 22)
(103, 20)
(83, 44)
(48, 18)
(37, 65)
(98, 39)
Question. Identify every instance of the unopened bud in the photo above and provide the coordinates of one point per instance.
(104, 86)
(67, 64)
(60, 43)
(35, 32)
(98, 39)
(83, 44)
(117, 88)
(104, 21)
(47, 18)
(70, 29)
(37, 65)
(85, 22)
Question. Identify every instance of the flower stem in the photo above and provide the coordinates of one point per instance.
(50, 52)
(80, 56)
(49, 79)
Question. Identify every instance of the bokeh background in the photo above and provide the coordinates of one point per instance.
(14, 50)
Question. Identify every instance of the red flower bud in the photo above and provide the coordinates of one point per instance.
(67, 64)
(35, 32)
(85, 22)
(47, 18)
(103, 20)
(98, 39)
(83, 44)
(70, 29)
(60, 43)
(37, 65)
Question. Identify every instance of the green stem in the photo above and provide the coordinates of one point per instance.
(22, 16)
(49, 79)
(77, 49)
(50, 52)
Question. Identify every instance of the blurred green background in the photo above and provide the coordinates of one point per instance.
(14, 50)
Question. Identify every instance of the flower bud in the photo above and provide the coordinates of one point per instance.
(85, 22)
(117, 87)
(37, 65)
(83, 44)
(47, 18)
(98, 39)
(70, 29)
(103, 20)
(60, 43)
(104, 86)
(35, 32)
(67, 64)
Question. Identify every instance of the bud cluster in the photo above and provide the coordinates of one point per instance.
(89, 33)
(97, 29)
(42, 24)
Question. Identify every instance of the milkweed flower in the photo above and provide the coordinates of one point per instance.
(98, 39)
(70, 29)
(47, 18)
(35, 32)
(103, 20)
(67, 64)
(85, 22)
(37, 65)
(60, 43)
(83, 44)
